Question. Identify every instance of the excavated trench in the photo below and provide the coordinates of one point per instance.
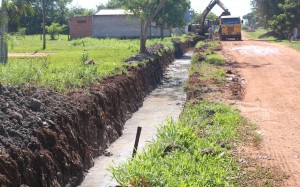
(51, 139)
(165, 101)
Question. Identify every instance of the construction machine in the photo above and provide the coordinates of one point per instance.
(230, 27)
(202, 27)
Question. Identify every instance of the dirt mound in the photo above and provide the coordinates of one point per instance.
(269, 34)
(50, 139)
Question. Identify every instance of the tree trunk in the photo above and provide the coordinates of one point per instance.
(145, 23)
(44, 29)
(3, 44)
(144, 35)
(161, 32)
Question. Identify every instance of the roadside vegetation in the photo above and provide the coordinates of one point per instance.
(257, 34)
(202, 148)
(190, 152)
(61, 66)
(281, 18)
(262, 35)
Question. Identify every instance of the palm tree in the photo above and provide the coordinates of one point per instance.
(10, 9)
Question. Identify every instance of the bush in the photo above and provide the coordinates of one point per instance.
(55, 29)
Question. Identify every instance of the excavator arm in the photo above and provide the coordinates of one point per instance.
(208, 9)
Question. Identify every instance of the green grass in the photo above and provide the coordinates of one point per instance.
(200, 149)
(63, 68)
(259, 32)
(201, 126)
(215, 59)
(210, 66)
(207, 44)
(295, 45)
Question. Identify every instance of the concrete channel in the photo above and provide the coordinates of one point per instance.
(164, 102)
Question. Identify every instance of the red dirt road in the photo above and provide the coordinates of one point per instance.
(272, 100)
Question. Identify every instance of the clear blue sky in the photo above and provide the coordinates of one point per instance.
(236, 7)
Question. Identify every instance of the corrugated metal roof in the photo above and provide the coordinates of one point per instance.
(110, 12)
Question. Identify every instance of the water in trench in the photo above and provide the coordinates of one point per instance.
(164, 102)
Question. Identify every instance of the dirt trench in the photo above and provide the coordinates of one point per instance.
(50, 139)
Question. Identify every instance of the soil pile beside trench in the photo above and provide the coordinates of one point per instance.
(50, 139)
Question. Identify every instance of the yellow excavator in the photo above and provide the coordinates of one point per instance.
(202, 27)
(229, 26)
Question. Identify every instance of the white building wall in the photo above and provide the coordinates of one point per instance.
(121, 26)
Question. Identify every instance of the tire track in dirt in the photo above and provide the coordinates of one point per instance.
(272, 74)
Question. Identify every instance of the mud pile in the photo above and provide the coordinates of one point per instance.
(50, 139)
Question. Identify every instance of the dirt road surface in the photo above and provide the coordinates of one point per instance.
(272, 100)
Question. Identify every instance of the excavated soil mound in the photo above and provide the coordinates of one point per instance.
(50, 139)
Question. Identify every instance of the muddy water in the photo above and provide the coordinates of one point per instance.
(164, 102)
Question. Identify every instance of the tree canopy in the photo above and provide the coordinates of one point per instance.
(278, 15)
(55, 11)
(111, 4)
(146, 11)
(172, 14)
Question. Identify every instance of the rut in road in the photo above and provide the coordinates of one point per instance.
(272, 74)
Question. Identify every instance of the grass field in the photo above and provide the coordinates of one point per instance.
(259, 32)
(62, 69)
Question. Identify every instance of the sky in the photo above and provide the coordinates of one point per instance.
(236, 7)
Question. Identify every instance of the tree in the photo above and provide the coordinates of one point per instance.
(278, 15)
(79, 11)
(250, 17)
(212, 16)
(146, 10)
(11, 10)
(292, 11)
(112, 4)
(55, 29)
(172, 14)
(55, 11)
(266, 10)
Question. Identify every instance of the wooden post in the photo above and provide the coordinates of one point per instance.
(137, 139)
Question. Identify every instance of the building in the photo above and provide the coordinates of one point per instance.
(116, 23)
(81, 26)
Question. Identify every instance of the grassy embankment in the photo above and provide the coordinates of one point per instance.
(200, 149)
(62, 69)
(260, 32)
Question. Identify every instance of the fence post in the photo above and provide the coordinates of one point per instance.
(137, 139)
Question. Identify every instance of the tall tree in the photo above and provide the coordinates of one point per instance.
(250, 17)
(172, 14)
(278, 15)
(55, 11)
(146, 10)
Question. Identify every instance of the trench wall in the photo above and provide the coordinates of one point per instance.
(50, 139)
